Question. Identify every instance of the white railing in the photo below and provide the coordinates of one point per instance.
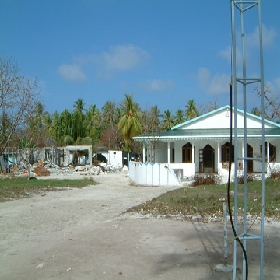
(152, 174)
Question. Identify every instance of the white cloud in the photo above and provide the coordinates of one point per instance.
(217, 84)
(71, 72)
(120, 58)
(157, 85)
(123, 57)
(252, 42)
(277, 84)
(226, 55)
(268, 36)
(203, 78)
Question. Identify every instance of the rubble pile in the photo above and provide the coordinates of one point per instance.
(48, 168)
(73, 170)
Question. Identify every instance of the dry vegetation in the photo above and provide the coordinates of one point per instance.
(204, 200)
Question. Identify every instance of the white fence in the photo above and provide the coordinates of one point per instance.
(152, 174)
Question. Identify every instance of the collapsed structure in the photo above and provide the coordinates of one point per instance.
(66, 159)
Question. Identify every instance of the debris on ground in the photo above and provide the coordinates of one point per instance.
(47, 168)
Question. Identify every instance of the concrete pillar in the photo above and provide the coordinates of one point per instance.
(144, 152)
(218, 154)
(243, 154)
(193, 155)
(90, 156)
(267, 164)
(168, 152)
(267, 151)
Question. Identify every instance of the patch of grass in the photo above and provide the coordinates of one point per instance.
(204, 200)
(15, 187)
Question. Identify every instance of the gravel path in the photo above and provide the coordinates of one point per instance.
(83, 234)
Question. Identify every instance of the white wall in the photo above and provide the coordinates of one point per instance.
(148, 174)
(161, 152)
(188, 168)
(114, 158)
(222, 120)
(178, 150)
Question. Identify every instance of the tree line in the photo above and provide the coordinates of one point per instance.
(24, 122)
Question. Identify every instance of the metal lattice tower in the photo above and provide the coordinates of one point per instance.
(240, 82)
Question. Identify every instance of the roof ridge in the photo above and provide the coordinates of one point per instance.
(200, 117)
(218, 110)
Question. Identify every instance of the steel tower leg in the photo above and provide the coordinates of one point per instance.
(239, 9)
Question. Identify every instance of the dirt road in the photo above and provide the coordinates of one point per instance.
(86, 234)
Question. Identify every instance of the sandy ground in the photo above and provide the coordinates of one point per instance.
(86, 234)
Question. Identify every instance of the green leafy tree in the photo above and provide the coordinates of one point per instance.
(39, 121)
(256, 111)
(167, 120)
(65, 124)
(109, 115)
(152, 125)
(68, 140)
(79, 106)
(129, 124)
(55, 127)
(191, 110)
(49, 139)
(92, 124)
(179, 118)
(78, 128)
(109, 134)
(87, 141)
(79, 141)
(153, 120)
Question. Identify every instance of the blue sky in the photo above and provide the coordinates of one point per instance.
(165, 52)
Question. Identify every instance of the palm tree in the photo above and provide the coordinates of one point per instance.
(79, 105)
(191, 110)
(49, 141)
(78, 117)
(109, 118)
(168, 120)
(179, 118)
(92, 122)
(55, 127)
(38, 122)
(256, 111)
(65, 124)
(109, 114)
(154, 119)
(129, 124)
(150, 120)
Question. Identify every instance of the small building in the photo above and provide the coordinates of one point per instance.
(202, 146)
(78, 154)
(111, 157)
